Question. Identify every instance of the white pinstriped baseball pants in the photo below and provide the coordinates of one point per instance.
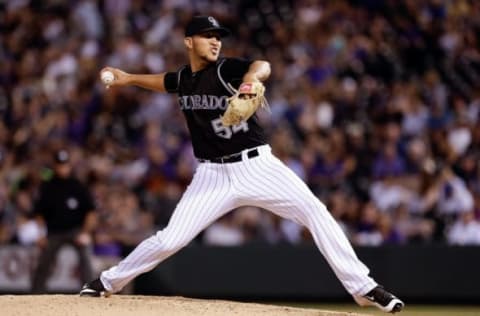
(263, 181)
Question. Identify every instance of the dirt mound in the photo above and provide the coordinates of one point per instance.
(127, 305)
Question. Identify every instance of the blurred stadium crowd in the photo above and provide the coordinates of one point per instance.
(375, 104)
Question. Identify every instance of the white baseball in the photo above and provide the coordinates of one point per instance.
(107, 77)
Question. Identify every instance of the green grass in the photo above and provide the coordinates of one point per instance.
(410, 309)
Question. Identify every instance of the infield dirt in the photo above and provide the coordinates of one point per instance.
(128, 305)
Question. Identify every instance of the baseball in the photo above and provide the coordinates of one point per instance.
(107, 77)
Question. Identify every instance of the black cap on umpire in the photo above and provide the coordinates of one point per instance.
(202, 24)
(62, 166)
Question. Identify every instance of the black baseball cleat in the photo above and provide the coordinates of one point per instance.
(94, 289)
(382, 299)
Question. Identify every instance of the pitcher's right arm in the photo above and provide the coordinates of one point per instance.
(155, 82)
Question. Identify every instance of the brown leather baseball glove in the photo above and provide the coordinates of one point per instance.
(247, 99)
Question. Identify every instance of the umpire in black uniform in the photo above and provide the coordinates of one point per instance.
(66, 208)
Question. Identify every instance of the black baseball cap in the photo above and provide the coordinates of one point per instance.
(61, 156)
(201, 24)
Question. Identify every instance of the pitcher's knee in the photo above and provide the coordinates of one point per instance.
(312, 209)
(168, 244)
(312, 205)
(173, 246)
(321, 207)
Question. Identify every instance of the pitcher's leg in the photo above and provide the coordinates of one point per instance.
(282, 192)
(207, 198)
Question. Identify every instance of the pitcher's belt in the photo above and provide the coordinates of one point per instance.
(252, 153)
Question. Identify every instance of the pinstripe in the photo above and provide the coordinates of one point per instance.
(226, 201)
(237, 188)
(314, 217)
(244, 194)
(329, 238)
(342, 253)
(226, 197)
(189, 223)
(282, 194)
(248, 176)
(180, 213)
(117, 276)
(305, 193)
(260, 176)
(186, 220)
(342, 257)
(196, 221)
(263, 181)
(211, 209)
(353, 268)
(146, 256)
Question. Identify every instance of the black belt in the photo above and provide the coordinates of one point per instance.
(232, 158)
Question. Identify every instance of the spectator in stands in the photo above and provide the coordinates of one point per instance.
(353, 67)
(465, 231)
(453, 195)
(414, 228)
(128, 224)
(389, 163)
(367, 232)
(28, 230)
(224, 232)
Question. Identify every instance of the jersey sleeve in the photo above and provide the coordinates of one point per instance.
(171, 81)
(233, 70)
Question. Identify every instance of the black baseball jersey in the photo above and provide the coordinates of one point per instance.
(202, 97)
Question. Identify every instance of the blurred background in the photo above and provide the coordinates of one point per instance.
(375, 105)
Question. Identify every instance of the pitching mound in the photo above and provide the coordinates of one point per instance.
(127, 305)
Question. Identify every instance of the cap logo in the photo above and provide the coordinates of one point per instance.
(201, 24)
(213, 21)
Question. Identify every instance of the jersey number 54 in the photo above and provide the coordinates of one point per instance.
(226, 131)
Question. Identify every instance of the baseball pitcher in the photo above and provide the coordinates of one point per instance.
(219, 97)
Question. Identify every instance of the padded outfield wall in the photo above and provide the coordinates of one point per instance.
(419, 273)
